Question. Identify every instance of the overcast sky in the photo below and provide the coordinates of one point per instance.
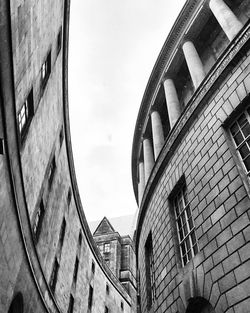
(112, 50)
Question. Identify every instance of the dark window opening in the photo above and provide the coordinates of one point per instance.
(107, 289)
(93, 267)
(71, 304)
(52, 170)
(45, 70)
(69, 196)
(106, 310)
(59, 41)
(80, 239)
(61, 136)
(122, 306)
(150, 280)
(53, 277)
(37, 226)
(62, 232)
(76, 269)
(1, 146)
(90, 299)
(16, 305)
(25, 115)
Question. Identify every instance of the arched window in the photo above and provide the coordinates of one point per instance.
(199, 305)
(16, 305)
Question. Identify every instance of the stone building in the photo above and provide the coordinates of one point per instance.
(48, 259)
(118, 253)
(191, 165)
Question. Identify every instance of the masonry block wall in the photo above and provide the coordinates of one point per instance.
(201, 169)
(49, 261)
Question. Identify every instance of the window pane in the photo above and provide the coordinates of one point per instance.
(246, 129)
(234, 129)
(242, 120)
(190, 222)
(247, 163)
(238, 138)
(244, 151)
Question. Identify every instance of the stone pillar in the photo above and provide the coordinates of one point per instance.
(194, 63)
(148, 158)
(141, 184)
(157, 130)
(173, 104)
(226, 18)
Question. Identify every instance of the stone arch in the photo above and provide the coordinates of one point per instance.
(16, 305)
(199, 305)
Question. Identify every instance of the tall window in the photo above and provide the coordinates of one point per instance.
(106, 310)
(38, 220)
(106, 248)
(62, 232)
(185, 226)
(25, 115)
(52, 169)
(45, 70)
(76, 269)
(80, 239)
(149, 263)
(71, 304)
(90, 299)
(59, 40)
(93, 267)
(53, 277)
(240, 131)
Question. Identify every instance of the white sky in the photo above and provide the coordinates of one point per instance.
(112, 50)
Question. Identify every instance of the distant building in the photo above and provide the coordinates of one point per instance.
(119, 254)
(191, 165)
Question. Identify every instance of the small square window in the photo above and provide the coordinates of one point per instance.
(106, 248)
(25, 115)
(45, 70)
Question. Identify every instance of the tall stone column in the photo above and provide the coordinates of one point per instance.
(148, 158)
(226, 18)
(194, 63)
(141, 184)
(173, 104)
(157, 130)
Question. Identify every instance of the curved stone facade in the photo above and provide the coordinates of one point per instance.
(190, 165)
(48, 259)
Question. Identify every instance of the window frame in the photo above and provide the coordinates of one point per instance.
(38, 220)
(187, 239)
(245, 138)
(25, 115)
(106, 247)
(45, 70)
(54, 275)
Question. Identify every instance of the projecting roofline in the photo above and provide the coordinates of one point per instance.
(174, 40)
